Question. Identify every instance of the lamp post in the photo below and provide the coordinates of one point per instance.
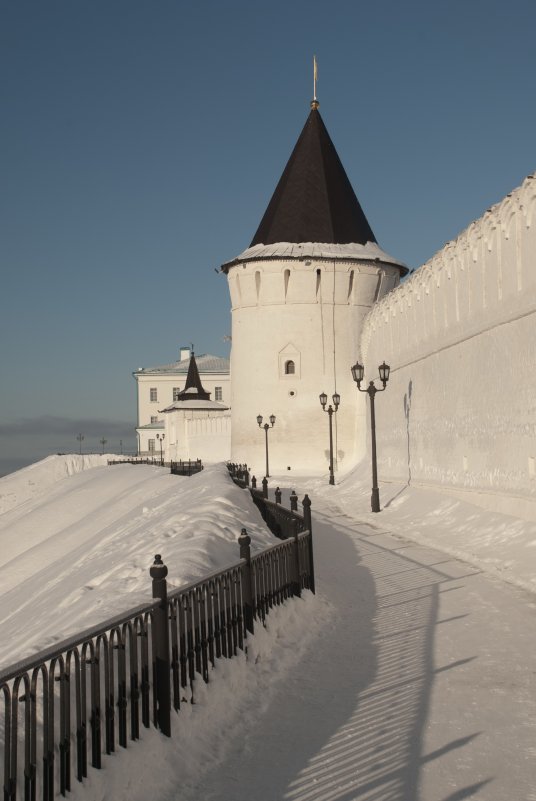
(80, 437)
(358, 372)
(103, 443)
(266, 427)
(331, 411)
(160, 438)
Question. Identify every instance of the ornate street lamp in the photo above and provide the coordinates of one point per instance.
(160, 438)
(331, 411)
(266, 427)
(358, 371)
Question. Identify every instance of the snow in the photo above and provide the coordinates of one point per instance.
(371, 251)
(408, 677)
(496, 543)
(80, 542)
(24, 484)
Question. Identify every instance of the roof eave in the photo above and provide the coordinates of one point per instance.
(382, 257)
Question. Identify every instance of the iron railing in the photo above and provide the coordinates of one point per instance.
(81, 698)
(239, 473)
(183, 468)
(282, 522)
(178, 468)
(155, 461)
(83, 691)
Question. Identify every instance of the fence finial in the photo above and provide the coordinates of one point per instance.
(293, 501)
(158, 571)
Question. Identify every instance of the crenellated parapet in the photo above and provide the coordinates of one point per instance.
(483, 277)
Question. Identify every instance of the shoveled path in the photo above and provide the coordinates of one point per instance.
(422, 689)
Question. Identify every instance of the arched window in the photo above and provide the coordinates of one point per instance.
(290, 367)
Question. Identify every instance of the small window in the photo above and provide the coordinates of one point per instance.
(154, 419)
(150, 445)
(176, 391)
(218, 393)
(153, 394)
(290, 367)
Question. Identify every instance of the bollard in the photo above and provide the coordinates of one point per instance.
(244, 542)
(306, 503)
(277, 495)
(265, 487)
(162, 666)
(293, 502)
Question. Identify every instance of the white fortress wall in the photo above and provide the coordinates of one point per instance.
(198, 434)
(460, 336)
(209, 438)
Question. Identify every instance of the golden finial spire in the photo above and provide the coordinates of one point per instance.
(314, 102)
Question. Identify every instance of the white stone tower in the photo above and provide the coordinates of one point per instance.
(299, 294)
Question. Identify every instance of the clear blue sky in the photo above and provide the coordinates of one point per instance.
(141, 142)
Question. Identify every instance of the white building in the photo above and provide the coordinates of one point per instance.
(158, 387)
(299, 294)
(196, 427)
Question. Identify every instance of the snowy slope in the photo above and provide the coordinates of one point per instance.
(77, 547)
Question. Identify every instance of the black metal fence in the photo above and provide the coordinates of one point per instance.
(188, 468)
(137, 460)
(282, 522)
(69, 704)
(178, 468)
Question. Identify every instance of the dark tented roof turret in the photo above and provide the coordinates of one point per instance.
(314, 200)
(193, 389)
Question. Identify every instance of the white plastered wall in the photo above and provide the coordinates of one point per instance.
(310, 312)
(192, 434)
(460, 335)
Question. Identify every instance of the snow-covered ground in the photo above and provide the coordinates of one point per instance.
(78, 538)
(408, 677)
(496, 543)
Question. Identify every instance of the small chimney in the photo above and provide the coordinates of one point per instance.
(184, 354)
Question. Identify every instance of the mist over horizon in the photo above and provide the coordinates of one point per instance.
(28, 440)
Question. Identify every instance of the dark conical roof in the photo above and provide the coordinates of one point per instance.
(314, 200)
(193, 389)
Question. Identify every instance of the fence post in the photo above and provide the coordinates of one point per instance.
(306, 503)
(277, 495)
(253, 482)
(293, 502)
(265, 487)
(162, 676)
(244, 542)
(297, 583)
